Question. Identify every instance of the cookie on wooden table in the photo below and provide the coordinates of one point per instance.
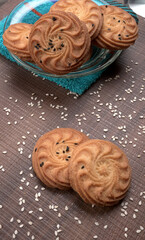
(16, 39)
(119, 29)
(59, 42)
(86, 10)
(52, 153)
(99, 172)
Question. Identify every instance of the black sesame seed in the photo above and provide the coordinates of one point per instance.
(75, 143)
(36, 47)
(69, 64)
(68, 156)
(109, 29)
(57, 143)
(61, 29)
(102, 14)
(50, 43)
(41, 164)
(63, 141)
(63, 151)
(54, 19)
(119, 35)
(59, 48)
(124, 21)
(44, 49)
(67, 149)
(118, 20)
(27, 37)
(52, 46)
(48, 48)
(40, 61)
(62, 45)
(35, 149)
(59, 37)
(119, 38)
(106, 6)
(50, 40)
(82, 167)
(67, 159)
(54, 49)
(93, 25)
(113, 17)
(57, 152)
(127, 35)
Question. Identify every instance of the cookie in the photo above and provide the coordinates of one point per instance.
(119, 29)
(86, 10)
(59, 42)
(99, 172)
(16, 39)
(52, 153)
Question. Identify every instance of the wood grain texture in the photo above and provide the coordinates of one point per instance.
(112, 109)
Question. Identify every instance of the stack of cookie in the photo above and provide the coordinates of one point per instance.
(60, 41)
(97, 170)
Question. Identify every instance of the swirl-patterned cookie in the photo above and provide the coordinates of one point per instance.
(59, 42)
(119, 29)
(16, 39)
(52, 153)
(99, 171)
(86, 10)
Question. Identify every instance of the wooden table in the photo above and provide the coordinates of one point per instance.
(112, 109)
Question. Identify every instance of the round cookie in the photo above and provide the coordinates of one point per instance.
(86, 10)
(119, 29)
(16, 39)
(99, 171)
(59, 42)
(52, 153)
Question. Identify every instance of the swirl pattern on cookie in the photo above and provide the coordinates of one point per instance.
(99, 171)
(119, 29)
(16, 39)
(52, 153)
(59, 42)
(86, 10)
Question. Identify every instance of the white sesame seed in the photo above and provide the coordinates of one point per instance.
(105, 227)
(0, 226)
(22, 209)
(95, 237)
(125, 235)
(22, 225)
(30, 211)
(59, 214)
(18, 221)
(66, 208)
(134, 215)
(138, 230)
(13, 236)
(1, 206)
(4, 152)
(12, 219)
(140, 203)
(30, 222)
(141, 227)
(96, 223)
(125, 229)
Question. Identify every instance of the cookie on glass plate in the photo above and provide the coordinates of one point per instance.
(119, 29)
(16, 39)
(52, 153)
(59, 42)
(99, 172)
(86, 10)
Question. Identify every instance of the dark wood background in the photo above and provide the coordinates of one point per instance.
(112, 109)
